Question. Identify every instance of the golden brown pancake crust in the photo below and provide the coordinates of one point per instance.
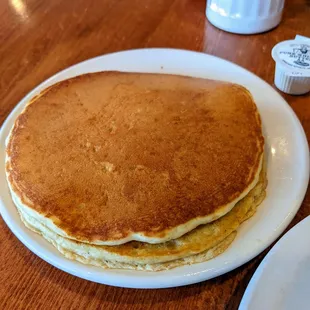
(108, 154)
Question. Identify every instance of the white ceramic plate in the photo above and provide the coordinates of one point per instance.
(287, 156)
(282, 280)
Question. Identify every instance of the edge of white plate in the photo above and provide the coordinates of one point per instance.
(250, 290)
(130, 279)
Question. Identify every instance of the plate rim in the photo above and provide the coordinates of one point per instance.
(259, 272)
(184, 280)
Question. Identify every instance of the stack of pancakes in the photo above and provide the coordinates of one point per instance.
(137, 171)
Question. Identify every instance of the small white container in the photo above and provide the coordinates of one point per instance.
(292, 75)
(245, 16)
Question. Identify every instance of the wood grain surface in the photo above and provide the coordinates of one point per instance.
(39, 38)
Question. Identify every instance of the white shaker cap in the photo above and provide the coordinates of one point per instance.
(292, 75)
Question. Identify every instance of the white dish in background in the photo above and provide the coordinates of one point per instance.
(287, 168)
(282, 280)
(244, 16)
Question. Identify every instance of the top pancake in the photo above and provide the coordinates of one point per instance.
(111, 157)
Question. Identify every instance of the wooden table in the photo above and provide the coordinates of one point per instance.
(39, 38)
